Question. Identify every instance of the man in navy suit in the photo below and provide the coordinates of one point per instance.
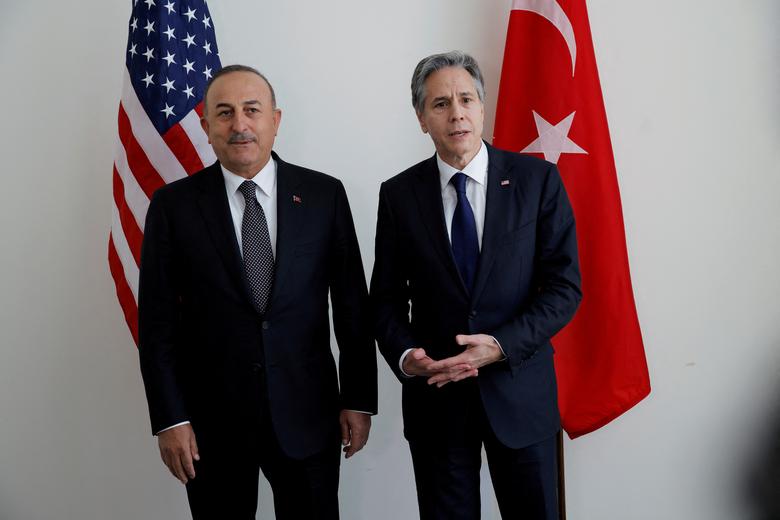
(480, 243)
(237, 265)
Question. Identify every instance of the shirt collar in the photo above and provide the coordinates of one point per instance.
(265, 179)
(476, 169)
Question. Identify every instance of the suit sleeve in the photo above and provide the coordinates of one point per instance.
(158, 321)
(349, 297)
(556, 284)
(390, 289)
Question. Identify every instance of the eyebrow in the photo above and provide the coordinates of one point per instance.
(243, 103)
(460, 94)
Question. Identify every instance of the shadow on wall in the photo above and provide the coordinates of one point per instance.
(763, 477)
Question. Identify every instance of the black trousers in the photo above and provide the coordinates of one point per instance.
(446, 472)
(226, 477)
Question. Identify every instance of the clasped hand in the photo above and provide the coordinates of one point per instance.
(481, 350)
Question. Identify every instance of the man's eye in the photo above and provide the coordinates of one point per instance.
(224, 113)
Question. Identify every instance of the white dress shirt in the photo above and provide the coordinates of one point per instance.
(265, 189)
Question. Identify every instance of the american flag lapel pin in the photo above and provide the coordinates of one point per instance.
(296, 199)
(505, 182)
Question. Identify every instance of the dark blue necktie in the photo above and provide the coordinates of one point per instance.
(463, 235)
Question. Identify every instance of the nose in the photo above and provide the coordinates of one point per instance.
(238, 123)
(456, 112)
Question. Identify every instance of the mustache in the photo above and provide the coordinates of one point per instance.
(240, 136)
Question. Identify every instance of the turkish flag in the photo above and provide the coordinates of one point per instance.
(550, 105)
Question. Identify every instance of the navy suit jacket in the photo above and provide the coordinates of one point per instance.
(527, 288)
(202, 343)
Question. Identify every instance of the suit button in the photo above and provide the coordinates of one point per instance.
(265, 325)
(472, 314)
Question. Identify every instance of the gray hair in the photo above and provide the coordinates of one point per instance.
(238, 68)
(431, 64)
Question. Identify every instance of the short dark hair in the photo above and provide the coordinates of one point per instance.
(238, 68)
(434, 62)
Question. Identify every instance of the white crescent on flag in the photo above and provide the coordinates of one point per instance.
(552, 12)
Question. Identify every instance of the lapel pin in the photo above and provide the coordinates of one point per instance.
(296, 199)
(505, 182)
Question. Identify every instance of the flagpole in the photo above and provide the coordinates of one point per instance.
(561, 479)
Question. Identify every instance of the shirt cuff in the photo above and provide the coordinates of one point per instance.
(171, 427)
(500, 348)
(401, 362)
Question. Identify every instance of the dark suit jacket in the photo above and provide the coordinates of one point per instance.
(202, 344)
(526, 289)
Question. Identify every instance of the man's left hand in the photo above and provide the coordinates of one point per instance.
(481, 350)
(354, 431)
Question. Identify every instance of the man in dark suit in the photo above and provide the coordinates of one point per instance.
(481, 243)
(237, 264)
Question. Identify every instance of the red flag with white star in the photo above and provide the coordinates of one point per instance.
(550, 105)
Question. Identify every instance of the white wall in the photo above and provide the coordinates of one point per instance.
(691, 89)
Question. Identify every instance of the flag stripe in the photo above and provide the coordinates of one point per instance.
(135, 198)
(123, 292)
(191, 126)
(129, 266)
(181, 146)
(154, 146)
(139, 163)
(133, 234)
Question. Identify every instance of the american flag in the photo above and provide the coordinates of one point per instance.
(171, 54)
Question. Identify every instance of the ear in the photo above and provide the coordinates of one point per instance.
(204, 124)
(277, 119)
(423, 126)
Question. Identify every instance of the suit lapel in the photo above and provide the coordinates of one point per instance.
(288, 221)
(497, 206)
(427, 189)
(214, 207)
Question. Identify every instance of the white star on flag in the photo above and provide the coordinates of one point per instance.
(169, 33)
(149, 3)
(553, 140)
(190, 14)
(170, 58)
(149, 54)
(207, 73)
(189, 66)
(168, 85)
(190, 39)
(188, 91)
(169, 7)
(168, 111)
(149, 27)
(148, 79)
(207, 48)
(206, 22)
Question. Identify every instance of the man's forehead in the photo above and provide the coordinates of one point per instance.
(244, 84)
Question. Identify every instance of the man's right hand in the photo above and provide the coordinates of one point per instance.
(178, 449)
(417, 363)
